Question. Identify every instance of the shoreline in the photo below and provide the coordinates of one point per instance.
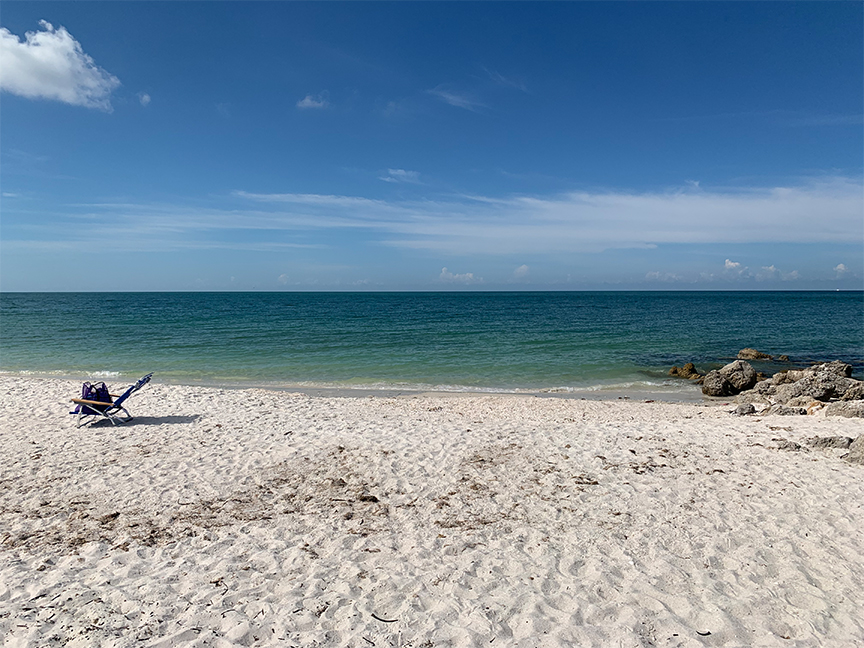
(256, 517)
(678, 390)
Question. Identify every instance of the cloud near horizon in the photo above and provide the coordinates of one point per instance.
(465, 278)
(821, 211)
(50, 64)
(824, 210)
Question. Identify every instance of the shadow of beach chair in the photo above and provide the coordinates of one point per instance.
(90, 411)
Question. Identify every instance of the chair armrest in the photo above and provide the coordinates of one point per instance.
(89, 402)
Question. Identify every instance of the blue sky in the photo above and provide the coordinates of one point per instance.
(431, 146)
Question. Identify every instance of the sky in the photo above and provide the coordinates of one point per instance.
(431, 146)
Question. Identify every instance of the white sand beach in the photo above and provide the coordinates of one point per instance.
(263, 518)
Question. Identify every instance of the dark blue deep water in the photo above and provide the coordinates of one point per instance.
(471, 341)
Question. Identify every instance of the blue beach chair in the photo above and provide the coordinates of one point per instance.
(89, 410)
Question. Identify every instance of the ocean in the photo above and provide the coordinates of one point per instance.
(547, 342)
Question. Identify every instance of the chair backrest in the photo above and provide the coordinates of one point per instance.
(138, 385)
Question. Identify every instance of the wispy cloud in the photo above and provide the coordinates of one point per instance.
(318, 101)
(456, 99)
(401, 175)
(144, 99)
(507, 82)
(471, 225)
(50, 64)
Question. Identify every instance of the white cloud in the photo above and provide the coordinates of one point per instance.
(50, 64)
(732, 265)
(789, 276)
(455, 99)
(282, 279)
(144, 98)
(521, 271)
(840, 269)
(662, 276)
(318, 101)
(9, 194)
(466, 278)
(768, 273)
(401, 175)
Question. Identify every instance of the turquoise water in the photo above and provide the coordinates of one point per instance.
(463, 341)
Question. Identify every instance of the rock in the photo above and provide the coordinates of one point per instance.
(814, 386)
(856, 451)
(800, 401)
(836, 367)
(849, 409)
(783, 410)
(783, 358)
(830, 442)
(753, 397)
(687, 371)
(765, 387)
(795, 374)
(715, 384)
(743, 409)
(739, 374)
(753, 354)
(783, 444)
(855, 391)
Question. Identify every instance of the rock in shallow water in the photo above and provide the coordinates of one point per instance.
(753, 354)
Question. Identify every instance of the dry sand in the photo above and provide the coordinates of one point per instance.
(260, 518)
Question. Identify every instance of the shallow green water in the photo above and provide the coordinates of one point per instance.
(468, 341)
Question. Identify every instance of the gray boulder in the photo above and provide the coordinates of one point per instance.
(739, 374)
(715, 384)
(830, 442)
(849, 409)
(856, 451)
(753, 354)
(822, 386)
(744, 409)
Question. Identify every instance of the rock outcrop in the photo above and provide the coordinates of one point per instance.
(825, 386)
(753, 354)
(732, 379)
(687, 371)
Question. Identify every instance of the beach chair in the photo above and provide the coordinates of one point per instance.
(89, 411)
